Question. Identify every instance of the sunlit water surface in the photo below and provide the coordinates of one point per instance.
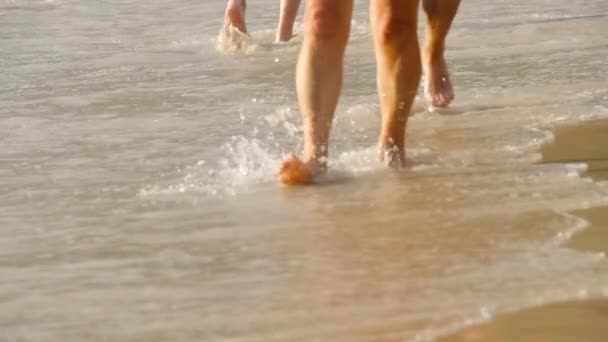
(138, 198)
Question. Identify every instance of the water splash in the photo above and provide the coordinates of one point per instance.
(245, 162)
(231, 40)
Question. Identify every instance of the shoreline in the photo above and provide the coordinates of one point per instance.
(575, 320)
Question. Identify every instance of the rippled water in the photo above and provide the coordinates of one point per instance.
(137, 190)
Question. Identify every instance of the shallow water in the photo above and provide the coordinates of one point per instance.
(137, 173)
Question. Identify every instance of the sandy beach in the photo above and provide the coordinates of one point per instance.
(573, 321)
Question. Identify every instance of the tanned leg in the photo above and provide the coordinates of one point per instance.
(437, 85)
(289, 12)
(235, 14)
(318, 83)
(394, 24)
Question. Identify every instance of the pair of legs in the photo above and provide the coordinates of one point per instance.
(235, 16)
(399, 68)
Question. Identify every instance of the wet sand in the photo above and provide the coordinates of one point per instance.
(574, 321)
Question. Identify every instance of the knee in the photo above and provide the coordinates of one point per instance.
(327, 21)
(391, 28)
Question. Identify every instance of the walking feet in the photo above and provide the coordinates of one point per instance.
(235, 15)
(297, 172)
(437, 85)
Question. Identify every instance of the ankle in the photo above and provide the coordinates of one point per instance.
(433, 52)
(283, 36)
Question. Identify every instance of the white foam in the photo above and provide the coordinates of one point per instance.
(231, 40)
(245, 163)
(469, 139)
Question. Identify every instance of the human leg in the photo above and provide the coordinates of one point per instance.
(235, 14)
(439, 16)
(394, 24)
(289, 12)
(318, 84)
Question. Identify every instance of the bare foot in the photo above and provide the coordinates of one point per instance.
(282, 37)
(437, 86)
(296, 172)
(392, 157)
(235, 15)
